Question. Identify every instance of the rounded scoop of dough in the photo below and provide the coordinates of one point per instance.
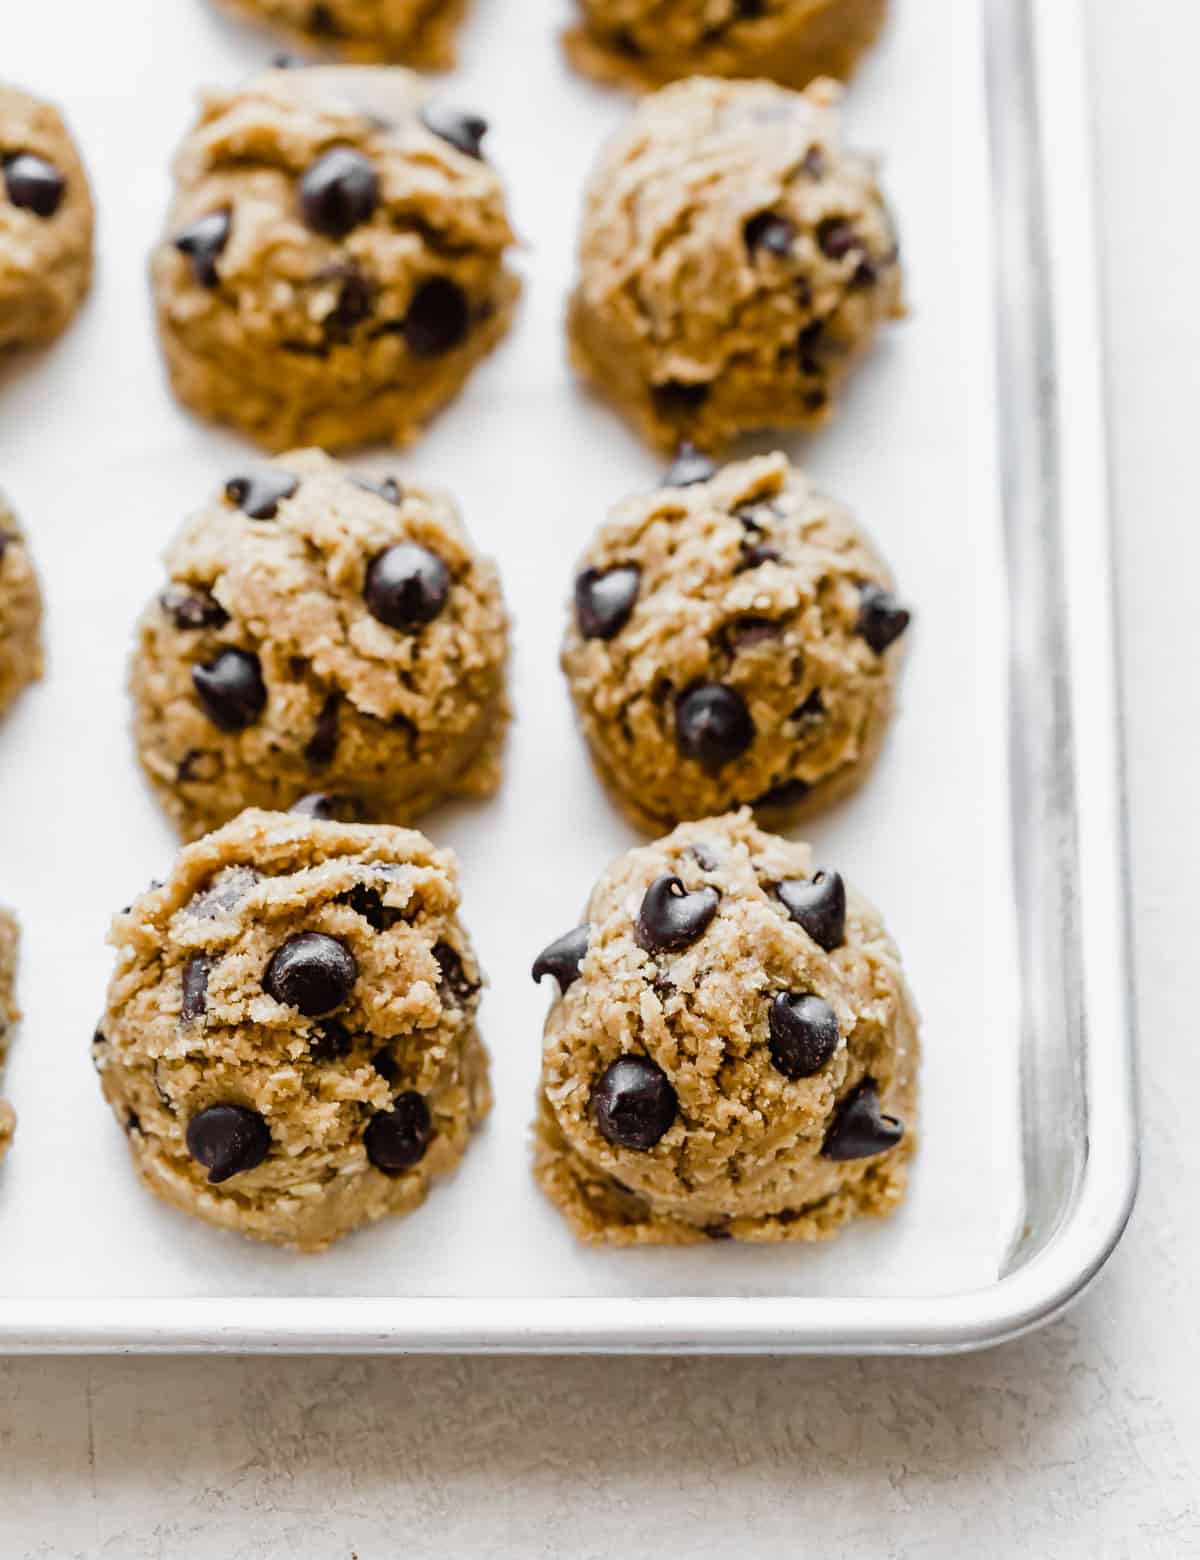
(413, 32)
(20, 611)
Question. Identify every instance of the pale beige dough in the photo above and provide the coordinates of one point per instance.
(388, 721)
(420, 33)
(742, 1157)
(45, 256)
(643, 43)
(735, 260)
(20, 611)
(9, 1014)
(752, 583)
(293, 335)
(407, 1025)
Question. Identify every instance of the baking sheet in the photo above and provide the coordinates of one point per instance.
(103, 467)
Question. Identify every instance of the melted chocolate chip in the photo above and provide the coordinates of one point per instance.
(190, 610)
(770, 232)
(818, 904)
(670, 918)
(406, 586)
(633, 1103)
(259, 495)
(33, 184)
(203, 242)
(195, 987)
(228, 1140)
(396, 1139)
(712, 724)
(689, 468)
(804, 1033)
(339, 192)
(311, 972)
(388, 489)
(437, 319)
(231, 689)
(464, 132)
(321, 747)
(860, 1129)
(563, 957)
(605, 599)
(454, 978)
(881, 618)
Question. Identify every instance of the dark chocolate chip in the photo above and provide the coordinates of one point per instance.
(866, 273)
(368, 903)
(717, 1232)
(860, 1129)
(464, 132)
(260, 494)
(389, 489)
(322, 23)
(34, 184)
(396, 1139)
(677, 399)
(321, 747)
(563, 957)
(818, 904)
(836, 238)
(323, 806)
(195, 987)
(228, 1140)
(755, 557)
(454, 978)
(330, 1041)
(384, 1064)
(231, 689)
(881, 618)
(605, 598)
(812, 708)
(437, 318)
(339, 192)
(788, 793)
(353, 306)
(190, 610)
(671, 918)
(771, 232)
(712, 724)
(133, 1122)
(633, 1103)
(406, 586)
(804, 1033)
(689, 468)
(808, 345)
(203, 242)
(311, 972)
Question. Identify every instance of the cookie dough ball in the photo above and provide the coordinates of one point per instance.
(328, 275)
(735, 260)
(321, 633)
(45, 222)
(20, 611)
(290, 1043)
(734, 1052)
(414, 32)
(732, 640)
(9, 1014)
(646, 42)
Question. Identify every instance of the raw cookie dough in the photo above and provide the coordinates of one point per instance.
(414, 32)
(20, 611)
(45, 222)
(734, 640)
(321, 633)
(328, 275)
(9, 1014)
(290, 1042)
(646, 42)
(735, 260)
(734, 1053)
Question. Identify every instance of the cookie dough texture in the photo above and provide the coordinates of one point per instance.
(387, 721)
(743, 1157)
(9, 1014)
(390, 899)
(332, 269)
(748, 587)
(46, 222)
(735, 261)
(420, 33)
(20, 611)
(643, 43)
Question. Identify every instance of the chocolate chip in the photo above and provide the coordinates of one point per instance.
(755, 557)
(133, 1122)
(322, 22)
(367, 902)
(808, 345)
(804, 1033)
(190, 610)
(860, 1129)
(311, 972)
(866, 273)
(815, 164)
(712, 724)
(716, 1232)
(677, 399)
(396, 1139)
(465, 132)
(389, 489)
(228, 1140)
(330, 1041)
(563, 957)
(788, 793)
(881, 618)
(260, 494)
(454, 978)
(769, 231)
(605, 598)
(812, 708)
(633, 1103)
(670, 918)
(705, 857)
(197, 764)
(231, 689)
(836, 238)
(195, 987)
(818, 904)
(339, 192)
(689, 468)
(384, 1064)
(437, 318)
(323, 806)
(203, 242)
(321, 747)
(353, 306)
(34, 184)
(406, 586)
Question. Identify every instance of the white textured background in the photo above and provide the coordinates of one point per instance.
(1081, 1441)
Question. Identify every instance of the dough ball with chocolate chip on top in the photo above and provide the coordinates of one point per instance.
(419, 33)
(46, 222)
(731, 1051)
(289, 1042)
(643, 43)
(321, 635)
(734, 639)
(333, 262)
(20, 611)
(735, 260)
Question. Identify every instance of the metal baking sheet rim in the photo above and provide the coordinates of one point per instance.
(1031, 1294)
